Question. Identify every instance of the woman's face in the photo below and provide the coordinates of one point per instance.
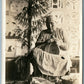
(51, 23)
(52, 26)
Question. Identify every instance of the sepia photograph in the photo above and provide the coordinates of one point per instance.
(43, 42)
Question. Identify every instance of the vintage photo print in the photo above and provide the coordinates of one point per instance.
(43, 41)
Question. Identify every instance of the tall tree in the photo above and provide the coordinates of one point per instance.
(31, 18)
(31, 15)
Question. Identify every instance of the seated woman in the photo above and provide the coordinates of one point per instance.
(47, 60)
(52, 39)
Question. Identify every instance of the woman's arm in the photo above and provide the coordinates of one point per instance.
(64, 44)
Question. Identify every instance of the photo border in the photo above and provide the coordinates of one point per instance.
(82, 42)
(0, 37)
(2, 40)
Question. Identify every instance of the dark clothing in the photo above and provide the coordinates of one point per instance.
(43, 39)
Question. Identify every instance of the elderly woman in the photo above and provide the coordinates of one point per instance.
(52, 39)
(46, 57)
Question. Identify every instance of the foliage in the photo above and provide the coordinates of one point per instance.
(31, 18)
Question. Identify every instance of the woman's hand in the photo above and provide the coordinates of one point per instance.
(59, 42)
(50, 40)
(62, 45)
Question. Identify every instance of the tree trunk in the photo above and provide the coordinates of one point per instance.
(29, 35)
(29, 27)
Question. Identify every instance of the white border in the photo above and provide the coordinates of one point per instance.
(3, 42)
(81, 54)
